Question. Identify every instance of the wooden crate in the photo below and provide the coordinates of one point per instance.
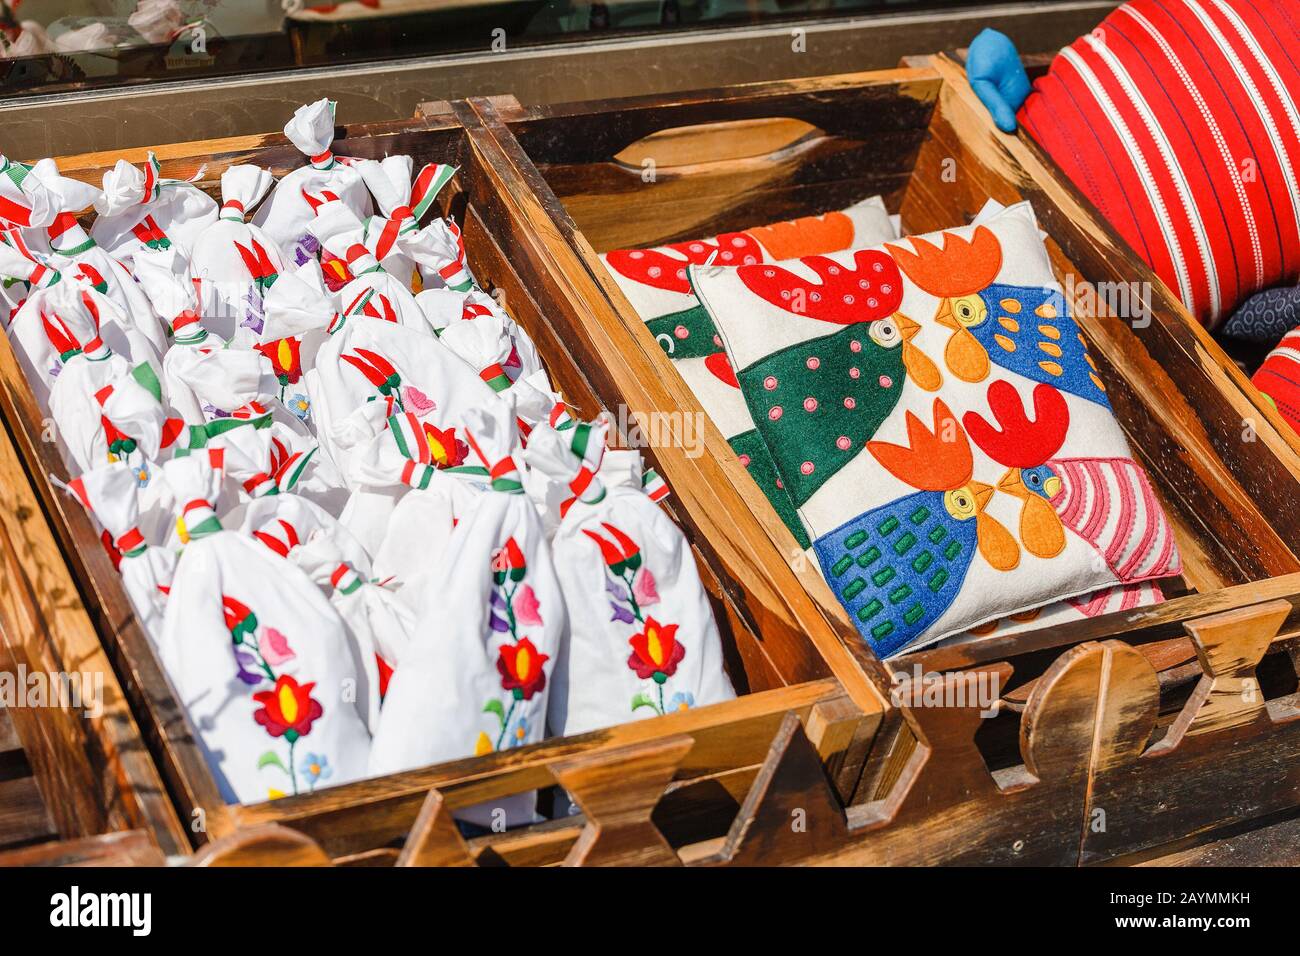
(780, 650)
(72, 764)
(1156, 710)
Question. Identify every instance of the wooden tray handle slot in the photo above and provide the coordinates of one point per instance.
(617, 790)
(745, 142)
(1229, 646)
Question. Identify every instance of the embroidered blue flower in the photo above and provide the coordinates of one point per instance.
(519, 732)
(315, 767)
(142, 476)
(682, 700)
(300, 405)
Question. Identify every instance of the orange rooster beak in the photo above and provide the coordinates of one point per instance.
(945, 317)
(1012, 483)
(982, 494)
(906, 326)
(918, 365)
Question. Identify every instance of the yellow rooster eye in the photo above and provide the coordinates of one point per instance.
(959, 504)
(970, 311)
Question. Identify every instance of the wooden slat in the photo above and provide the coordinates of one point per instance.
(124, 848)
(23, 815)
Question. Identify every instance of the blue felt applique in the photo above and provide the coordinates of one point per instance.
(897, 568)
(1030, 332)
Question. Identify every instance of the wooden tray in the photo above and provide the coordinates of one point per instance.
(779, 649)
(1181, 719)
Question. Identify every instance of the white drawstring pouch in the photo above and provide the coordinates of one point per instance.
(298, 312)
(236, 260)
(20, 270)
(403, 200)
(495, 346)
(70, 249)
(70, 319)
(291, 206)
(475, 677)
(112, 493)
(413, 485)
(642, 638)
(165, 278)
(207, 381)
(369, 360)
(138, 209)
(110, 411)
(439, 251)
(259, 658)
(379, 626)
(311, 539)
(371, 291)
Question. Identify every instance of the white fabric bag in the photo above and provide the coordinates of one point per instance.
(403, 200)
(138, 209)
(642, 638)
(292, 205)
(112, 493)
(259, 658)
(236, 261)
(490, 627)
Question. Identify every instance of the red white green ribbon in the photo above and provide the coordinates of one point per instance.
(344, 579)
(653, 485)
(590, 453)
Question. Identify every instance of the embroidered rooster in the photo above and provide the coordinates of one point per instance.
(1107, 502)
(1026, 330)
(898, 568)
(818, 401)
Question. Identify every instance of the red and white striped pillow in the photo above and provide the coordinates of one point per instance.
(1180, 120)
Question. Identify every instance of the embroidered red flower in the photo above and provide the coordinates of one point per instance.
(509, 562)
(655, 651)
(620, 554)
(445, 449)
(288, 709)
(521, 669)
(285, 359)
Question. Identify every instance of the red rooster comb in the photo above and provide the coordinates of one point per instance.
(933, 460)
(1020, 443)
(870, 289)
(961, 267)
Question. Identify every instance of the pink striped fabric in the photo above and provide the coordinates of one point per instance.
(1109, 503)
(1180, 121)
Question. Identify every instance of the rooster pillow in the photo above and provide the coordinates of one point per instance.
(655, 283)
(937, 422)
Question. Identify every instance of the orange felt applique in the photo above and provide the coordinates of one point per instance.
(961, 267)
(808, 236)
(933, 460)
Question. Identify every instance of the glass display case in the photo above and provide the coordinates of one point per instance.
(52, 46)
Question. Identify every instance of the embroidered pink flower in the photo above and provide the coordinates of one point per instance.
(417, 401)
(644, 589)
(275, 648)
(527, 608)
